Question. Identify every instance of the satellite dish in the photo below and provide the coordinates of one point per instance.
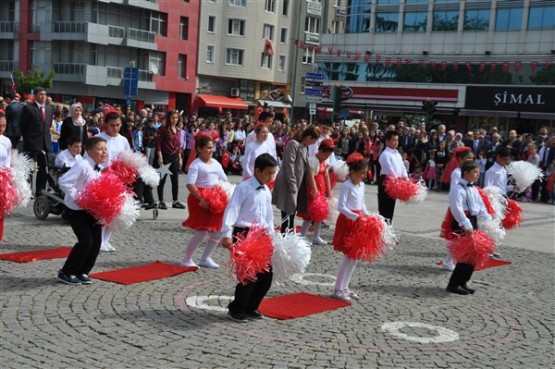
(153, 68)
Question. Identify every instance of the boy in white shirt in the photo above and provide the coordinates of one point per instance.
(70, 156)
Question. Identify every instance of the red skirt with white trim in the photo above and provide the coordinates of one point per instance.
(201, 219)
(343, 227)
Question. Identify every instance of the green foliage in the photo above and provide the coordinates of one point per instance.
(545, 77)
(26, 82)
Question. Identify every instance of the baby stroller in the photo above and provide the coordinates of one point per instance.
(51, 200)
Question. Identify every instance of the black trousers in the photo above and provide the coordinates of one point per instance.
(41, 157)
(14, 140)
(386, 205)
(463, 271)
(174, 169)
(287, 222)
(142, 191)
(249, 296)
(82, 257)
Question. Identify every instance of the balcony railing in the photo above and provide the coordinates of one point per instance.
(115, 72)
(8, 27)
(145, 75)
(70, 68)
(70, 27)
(118, 32)
(6, 66)
(140, 35)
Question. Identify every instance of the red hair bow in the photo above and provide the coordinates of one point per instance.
(354, 158)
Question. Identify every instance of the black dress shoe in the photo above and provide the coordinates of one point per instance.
(162, 205)
(470, 290)
(255, 314)
(149, 206)
(178, 205)
(459, 290)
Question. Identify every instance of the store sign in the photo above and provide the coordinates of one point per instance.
(314, 8)
(506, 98)
(312, 38)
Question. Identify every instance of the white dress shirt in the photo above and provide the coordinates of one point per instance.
(252, 151)
(392, 163)
(250, 204)
(455, 178)
(351, 198)
(115, 146)
(270, 142)
(497, 176)
(76, 180)
(463, 198)
(205, 175)
(5, 152)
(65, 159)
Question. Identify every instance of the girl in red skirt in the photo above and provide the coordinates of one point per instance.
(350, 205)
(202, 179)
(319, 185)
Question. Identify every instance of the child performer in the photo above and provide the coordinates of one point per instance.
(319, 183)
(250, 204)
(350, 205)
(203, 175)
(466, 205)
(497, 174)
(5, 159)
(87, 229)
(70, 156)
(391, 164)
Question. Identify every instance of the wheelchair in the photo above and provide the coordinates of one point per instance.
(51, 200)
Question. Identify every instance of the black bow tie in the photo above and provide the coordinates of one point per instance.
(97, 168)
(469, 184)
(260, 187)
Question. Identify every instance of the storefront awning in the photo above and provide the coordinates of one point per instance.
(215, 101)
(274, 103)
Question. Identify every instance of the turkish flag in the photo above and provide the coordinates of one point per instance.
(226, 156)
(268, 47)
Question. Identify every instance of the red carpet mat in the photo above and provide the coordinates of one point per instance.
(490, 263)
(297, 305)
(36, 255)
(142, 273)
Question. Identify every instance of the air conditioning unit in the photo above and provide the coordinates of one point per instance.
(235, 92)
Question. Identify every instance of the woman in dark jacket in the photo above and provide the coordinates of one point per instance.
(74, 127)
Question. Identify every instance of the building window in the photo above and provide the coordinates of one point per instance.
(270, 6)
(158, 23)
(210, 54)
(312, 25)
(211, 24)
(416, 1)
(308, 56)
(541, 17)
(335, 27)
(266, 61)
(212, 1)
(387, 22)
(358, 18)
(268, 32)
(337, 3)
(281, 66)
(389, 1)
(234, 57)
(184, 28)
(283, 35)
(242, 3)
(236, 27)
(285, 9)
(152, 62)
(508, 19)
(182, 66)
(476, 20)
(445, 21)
(415, 22)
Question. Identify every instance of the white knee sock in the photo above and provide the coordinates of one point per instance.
(106, 235)
(304, 229)
(344, 273)
(193, 244)
(211, 244)
(349, 273)
(317, 228)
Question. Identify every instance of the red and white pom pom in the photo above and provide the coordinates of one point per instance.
(513, 214)
(404, 189)
(333, 213)
(493, 228)
(524, 173)
(22, 166)
(104, 197)
(150, 176)
(497, 200)
(340, 169)
(125, 173)
(228, 188)
(487, 202)
(370, 238)
(251, 255)
(8, 195)
(133, 160)
(130, 212)
(314, 164)
(472, 249)
(216, 198)
(318, 209)
(291, 255)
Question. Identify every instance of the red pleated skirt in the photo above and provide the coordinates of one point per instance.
(201, 219)
(343, 227)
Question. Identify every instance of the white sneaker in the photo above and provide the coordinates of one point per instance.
(318, 241)
(448, 265)
(107, 247)
(208, 263)
(340, 295)
(188, 263)
(352, 294)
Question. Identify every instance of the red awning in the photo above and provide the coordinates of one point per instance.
(215, 101)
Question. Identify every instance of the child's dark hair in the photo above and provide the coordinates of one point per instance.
(463, 153)
(389, 135)
(264, 161)
(503, 152)
(92, 142)
(73, 140)
(356, 162)
(112, 116)
(264, 115)
(469, 166)
(202, 140)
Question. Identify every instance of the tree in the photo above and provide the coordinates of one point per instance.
(26, 82)
(545, 77)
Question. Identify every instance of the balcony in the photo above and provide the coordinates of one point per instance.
(7, 67)
(141, 39)
(70, 27)
(8, 29)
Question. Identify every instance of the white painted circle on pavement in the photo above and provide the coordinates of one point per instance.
(201, 302)
(443, 334)
(301, 278)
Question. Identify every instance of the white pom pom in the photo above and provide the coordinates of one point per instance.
(493, 228)
(128, 215)
(389, 239)
(420, 195)
(22, 166)
(314, 164)
(291, 255)
(340, 169)
(524, 173)
(333, 211)
(133, 160)
(228, 188)
(150, 176)
(498, 201)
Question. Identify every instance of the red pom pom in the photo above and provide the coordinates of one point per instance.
(104, 197)
(401, 188)
(125, 173)
(513, 215)
(472, 249)
(8, 193)
(318, 208)
(216, 197)
(364, 242)
(486, 200)
(251, 254)
(271, 184)
(447, 226)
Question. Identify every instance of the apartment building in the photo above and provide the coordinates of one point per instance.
(484, 62)
(90, 43)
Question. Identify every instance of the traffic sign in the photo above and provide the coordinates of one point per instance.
(313, 99)
(312, 105)
(313, 83)
(313, 91)
(312, 112)
(316, 76)
(131, 81)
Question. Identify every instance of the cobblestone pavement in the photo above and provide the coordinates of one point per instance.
(404, 318)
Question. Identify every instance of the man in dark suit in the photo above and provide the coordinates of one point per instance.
(406, 140)
(13, 112)
(478, 143)
(35, 122)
